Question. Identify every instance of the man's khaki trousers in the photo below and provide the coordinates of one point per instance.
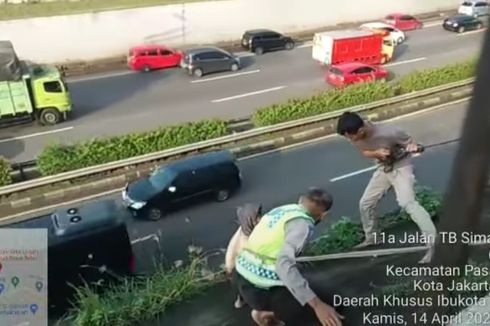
(402, 180)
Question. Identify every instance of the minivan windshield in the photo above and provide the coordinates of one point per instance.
(467, 4)
(161, 178)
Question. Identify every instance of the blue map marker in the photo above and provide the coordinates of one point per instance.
(33, 307)
(39, 286)
(2, 287)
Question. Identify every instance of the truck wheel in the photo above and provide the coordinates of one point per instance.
(49, 117)
(146, 68)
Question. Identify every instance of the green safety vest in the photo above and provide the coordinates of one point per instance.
(257, 260)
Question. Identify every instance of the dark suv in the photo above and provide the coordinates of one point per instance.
(213, 173)
(263, 40)
(202, 61)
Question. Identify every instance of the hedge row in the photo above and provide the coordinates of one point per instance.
(145, 298)
(5, 172)
(59, 158)
(359, 94)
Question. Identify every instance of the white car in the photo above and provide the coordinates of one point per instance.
(397, 36)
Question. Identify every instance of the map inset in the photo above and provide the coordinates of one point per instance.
(23, 277)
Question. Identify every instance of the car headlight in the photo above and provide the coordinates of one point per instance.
(138, 205)
(455, 25)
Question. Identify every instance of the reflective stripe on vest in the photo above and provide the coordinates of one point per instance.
(257, 261)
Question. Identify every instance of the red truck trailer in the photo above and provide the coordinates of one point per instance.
(352, 46)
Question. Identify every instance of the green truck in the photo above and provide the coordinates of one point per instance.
(31, 91)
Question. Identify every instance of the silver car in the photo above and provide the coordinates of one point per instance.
(474, 8)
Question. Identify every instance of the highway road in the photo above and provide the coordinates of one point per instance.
(278, 178)
(117, 104)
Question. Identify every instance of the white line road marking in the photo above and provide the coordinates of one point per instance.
(36, 134)
(38, 211)
(472, 32)
(248, 94)
(404, 62)
(225, 76)
(152, 236)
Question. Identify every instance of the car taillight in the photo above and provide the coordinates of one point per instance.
(132, 263)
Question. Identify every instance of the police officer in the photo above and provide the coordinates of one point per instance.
(266, 273)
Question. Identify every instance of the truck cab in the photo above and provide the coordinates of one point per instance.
(389, 46)
(50, 95)
(30, 91)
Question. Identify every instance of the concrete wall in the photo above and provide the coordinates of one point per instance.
(105, 34)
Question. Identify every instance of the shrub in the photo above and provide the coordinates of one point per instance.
(5, 172)
(424, 79)
(345, 234)
(140, 299)
(357, 94)
(61, 158)
(324, 102)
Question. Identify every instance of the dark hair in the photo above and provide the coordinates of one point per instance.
(349, 123)
(319, 197)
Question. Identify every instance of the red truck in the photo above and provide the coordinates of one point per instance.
(367, 47)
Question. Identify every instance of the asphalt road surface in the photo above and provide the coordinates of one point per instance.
(278, 178)
(121, 103)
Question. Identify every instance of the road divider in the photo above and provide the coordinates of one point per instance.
(58, 189)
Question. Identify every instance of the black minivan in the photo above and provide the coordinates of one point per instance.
(263, 40)
(214, 173)
(87, 244)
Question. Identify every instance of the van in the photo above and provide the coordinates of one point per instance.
(264, 40)
(201, 61)
(151, 57)
(474, 8)
(89, 243)
(213, 173)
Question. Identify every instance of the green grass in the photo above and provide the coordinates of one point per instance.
(46, 9)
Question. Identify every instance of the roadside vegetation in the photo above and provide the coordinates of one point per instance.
(145, 298)
(31, 9)
(58, 158)
(5, 172)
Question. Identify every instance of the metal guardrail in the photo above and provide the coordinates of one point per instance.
(22, 186)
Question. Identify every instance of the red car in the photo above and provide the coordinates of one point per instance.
(151, 57)
(350, 73)
(403, 22)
